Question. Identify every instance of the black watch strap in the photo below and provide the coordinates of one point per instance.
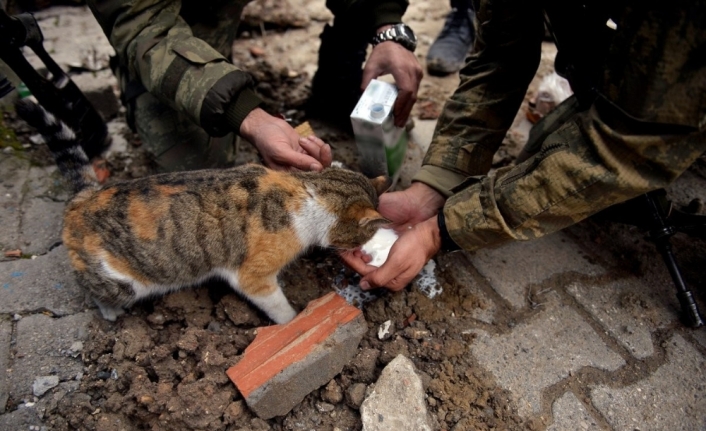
(447, 243)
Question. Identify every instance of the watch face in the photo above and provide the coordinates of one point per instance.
(407, 31)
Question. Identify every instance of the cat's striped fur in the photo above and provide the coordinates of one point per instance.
(149, 236)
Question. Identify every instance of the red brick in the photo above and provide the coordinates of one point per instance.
(286, 362)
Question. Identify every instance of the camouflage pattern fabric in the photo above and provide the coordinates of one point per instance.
(644, 129)
(179, 51)
(176, 144)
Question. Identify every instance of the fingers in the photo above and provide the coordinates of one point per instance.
(317, 149)
(356, 262)
(403, 107)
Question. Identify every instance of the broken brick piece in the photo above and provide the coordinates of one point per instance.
(286, 362)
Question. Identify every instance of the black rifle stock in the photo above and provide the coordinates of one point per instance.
(57, 93)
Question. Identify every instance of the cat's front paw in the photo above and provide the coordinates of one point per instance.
(283, 316)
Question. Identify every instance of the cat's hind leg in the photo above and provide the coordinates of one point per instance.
(109, 312)
(111, 296)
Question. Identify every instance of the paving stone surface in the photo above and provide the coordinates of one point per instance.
(629, 310)
(44, 283)
(44, 348)
(514, 266)
(40, 226)
(672, 398)
(570, 414)
(475, 301)
(5, 335)
(541, 352)
(15, 171)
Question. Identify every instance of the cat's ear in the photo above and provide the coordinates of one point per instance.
(370, 217)
(381, 184)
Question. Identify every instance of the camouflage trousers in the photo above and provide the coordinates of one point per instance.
(175, 143)
(595, 159)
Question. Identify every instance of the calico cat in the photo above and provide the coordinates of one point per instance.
(149, 236)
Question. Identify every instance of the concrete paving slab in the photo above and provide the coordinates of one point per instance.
(41, 225)
(46, 182)
(43, 348)
(44, 283)
(671, 398)
(541, 352)
(570, 414)
(5, 337)
(474, 301)
(73, 37)
(512, 267)
(629, 310)
(15, 171)
(22, 419)
(700, 336)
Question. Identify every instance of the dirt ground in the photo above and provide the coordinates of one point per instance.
(162, 366)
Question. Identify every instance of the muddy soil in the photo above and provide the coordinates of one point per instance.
(162, 366)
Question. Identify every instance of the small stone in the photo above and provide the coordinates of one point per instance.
(214, 326)
(384, 331)
(17, 317)
(114, 374)
(76, 348)
(415, 333)
(146, 400)
(233, 411)
(103, 375)
(355, 395)
(42, 384)
(332, 393)
(324, 407)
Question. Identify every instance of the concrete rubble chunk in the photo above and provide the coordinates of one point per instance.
(397, 402)
(43, 383)
(286, 362)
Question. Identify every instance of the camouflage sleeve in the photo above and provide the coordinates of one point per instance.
(185, 72)
(492, 86)
(600, 158)
(367, 15)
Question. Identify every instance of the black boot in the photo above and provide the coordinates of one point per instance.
(448, 52)
(335, 88)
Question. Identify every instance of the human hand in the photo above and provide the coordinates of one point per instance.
(391, 57)
(408, 255)
(411, 206)
(281, 147)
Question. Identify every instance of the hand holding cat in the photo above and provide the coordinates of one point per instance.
(281, 147)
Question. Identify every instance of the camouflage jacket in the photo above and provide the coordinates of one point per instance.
(653, 71)
(160, 45)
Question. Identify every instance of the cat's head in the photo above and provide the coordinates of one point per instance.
(352, 197)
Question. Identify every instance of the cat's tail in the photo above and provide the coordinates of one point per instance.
(63, 143)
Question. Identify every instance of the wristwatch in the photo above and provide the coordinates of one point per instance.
(400, 33)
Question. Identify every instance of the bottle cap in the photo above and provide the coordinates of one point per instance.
(377, 110)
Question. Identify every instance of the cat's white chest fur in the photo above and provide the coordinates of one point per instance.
(313, 222)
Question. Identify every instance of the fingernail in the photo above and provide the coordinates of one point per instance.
(364, 285)
(315, 167)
